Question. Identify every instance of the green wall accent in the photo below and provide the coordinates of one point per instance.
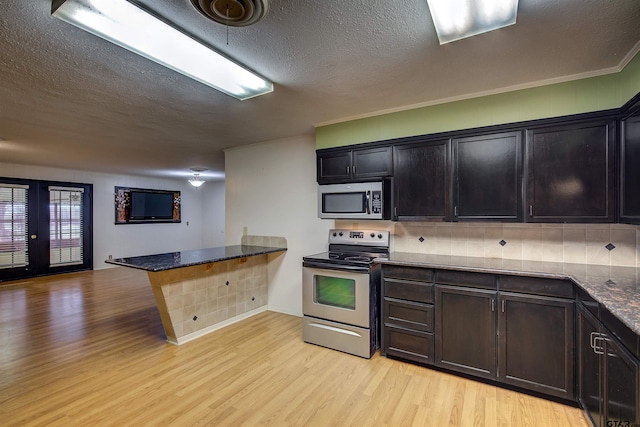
(574, 97)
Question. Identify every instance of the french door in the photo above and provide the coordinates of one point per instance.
(45, 228)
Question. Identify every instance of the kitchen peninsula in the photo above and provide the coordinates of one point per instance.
(198, 291)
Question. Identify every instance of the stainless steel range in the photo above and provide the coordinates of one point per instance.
(340, 292)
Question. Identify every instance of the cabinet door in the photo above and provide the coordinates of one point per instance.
(589, 367)
(333, 166)
(629, 194)
(621, 389)
(371, 163)
(421, 181)
(466, 330)
(570, 173)
(536, 342)
(488, 178)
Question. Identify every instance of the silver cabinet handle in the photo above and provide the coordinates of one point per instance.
(493, 304)
(455, 211)
(594, 339)
(353, 169)
(348, 169)
(395, 212)
(503, 305)
(530, 210)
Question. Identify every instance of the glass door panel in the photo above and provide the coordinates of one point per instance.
(335, 291)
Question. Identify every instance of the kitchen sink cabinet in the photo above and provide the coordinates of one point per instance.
(422, 181)
(362, 164)
(629, 161)
(407, 313)
(609, 375)
(487, 177)
(570, 173)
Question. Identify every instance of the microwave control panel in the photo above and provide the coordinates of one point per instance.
(376, 202)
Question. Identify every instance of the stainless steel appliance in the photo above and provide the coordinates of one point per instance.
(356, 200)
(340, 292)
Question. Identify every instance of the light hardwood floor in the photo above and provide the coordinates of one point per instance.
(87, 349)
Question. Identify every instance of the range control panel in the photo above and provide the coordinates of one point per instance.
(359, 237)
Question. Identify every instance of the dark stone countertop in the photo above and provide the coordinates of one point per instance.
(616, 288)
(168, 261)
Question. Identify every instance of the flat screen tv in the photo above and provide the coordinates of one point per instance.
(151, 205)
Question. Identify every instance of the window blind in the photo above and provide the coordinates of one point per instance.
(65, 226)
(13, 226)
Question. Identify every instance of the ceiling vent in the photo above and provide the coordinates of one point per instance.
(234, 13)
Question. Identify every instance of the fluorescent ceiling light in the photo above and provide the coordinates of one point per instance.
(128, 26)
(458, 19)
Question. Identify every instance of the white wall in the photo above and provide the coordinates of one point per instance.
(271, 190)
(135, 239)
(213, 214)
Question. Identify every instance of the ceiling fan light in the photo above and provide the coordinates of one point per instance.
(459, 19)
(132, 28)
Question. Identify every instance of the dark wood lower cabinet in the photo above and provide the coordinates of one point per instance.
(536, 342)
(609, 376)
(466, 330)
(464, 322)
(408, 344)
(527, 332)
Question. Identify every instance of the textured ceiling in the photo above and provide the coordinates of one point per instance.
(69, 99)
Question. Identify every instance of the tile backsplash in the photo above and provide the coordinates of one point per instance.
(604, 244)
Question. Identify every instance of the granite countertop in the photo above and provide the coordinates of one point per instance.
(168, 261)
(616, 288)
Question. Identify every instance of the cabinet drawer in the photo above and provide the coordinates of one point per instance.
(465, 278)
(408, 314)
(411, 291)
(408, 344)
(537, 286)
(407, 273)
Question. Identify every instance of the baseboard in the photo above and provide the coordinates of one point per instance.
(197, 334)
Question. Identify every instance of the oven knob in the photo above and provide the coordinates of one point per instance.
(340, 234)
(379, 236)
(373, 235)
(335, 234)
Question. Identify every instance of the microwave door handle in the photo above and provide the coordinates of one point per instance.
(368, 202)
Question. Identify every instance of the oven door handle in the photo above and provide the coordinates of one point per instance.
(339, 267)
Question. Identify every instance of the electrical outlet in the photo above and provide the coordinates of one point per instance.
(110, 256)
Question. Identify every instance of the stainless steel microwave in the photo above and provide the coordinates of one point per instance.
(357, 200)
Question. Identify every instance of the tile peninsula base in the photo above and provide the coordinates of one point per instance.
(198, 299)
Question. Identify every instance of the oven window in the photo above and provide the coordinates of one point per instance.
(335, 292)
(344, 202)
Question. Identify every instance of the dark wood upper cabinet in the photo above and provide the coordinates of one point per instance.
(630, 169)
(363, 164)
(570, 173)
(487, 177)
(334, 166)
(422, 181)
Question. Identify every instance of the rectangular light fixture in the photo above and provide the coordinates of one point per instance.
(132, 28)
(458, 19)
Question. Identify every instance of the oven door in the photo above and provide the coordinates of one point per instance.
(340, 295)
